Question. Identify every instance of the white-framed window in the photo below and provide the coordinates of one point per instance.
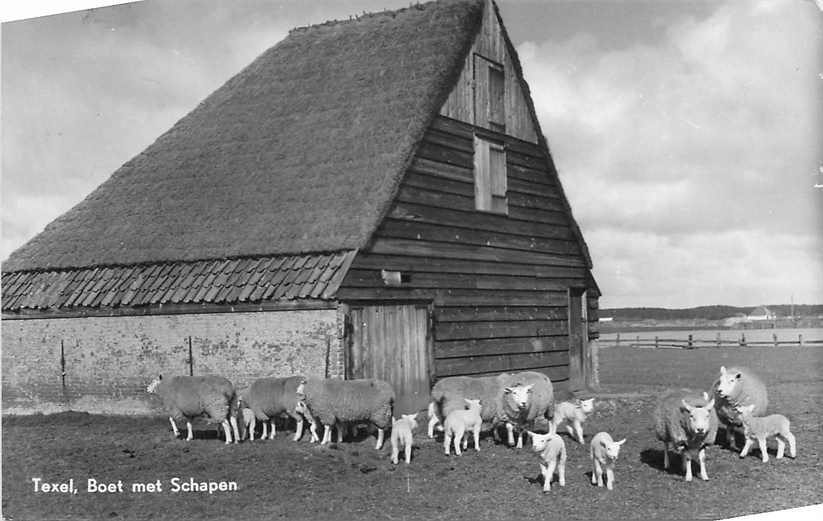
(490, 183)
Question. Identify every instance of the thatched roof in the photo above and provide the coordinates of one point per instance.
(302, 151)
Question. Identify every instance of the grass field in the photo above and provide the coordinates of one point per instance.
(284, 479)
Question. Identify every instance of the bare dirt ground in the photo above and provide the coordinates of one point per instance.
(284, 479)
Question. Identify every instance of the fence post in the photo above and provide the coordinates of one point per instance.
(718, 339)
(800, 339)
(191, 359)
(617, 341)
(774, 339)
(691, 345)
(63, 369)
(743, 339)
(655, 341)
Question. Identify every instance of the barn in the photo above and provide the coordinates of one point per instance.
(371, 197)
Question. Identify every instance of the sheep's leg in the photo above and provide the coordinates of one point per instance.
(226, 430)
(561, 470)
(730, 438)
(665, 455)
(598, 471)
(326, 434)
(781, 446)
(477, 438)
(433, 420)
(191, 433)
(380, 436)
(273, 428)
(265, 433)
(235, 428)
(447, 439)
(174, 427)
(408, 451)
(340, 428)
(764, 452)
(609, 477)
(251, 427)
(395, 451)
(701, 458)
(520, 439)
(578, 427)
(313, 432)
(465, 441)
(547, 477)
(570, 430)
(510, 432)
(792, 444)
(552, 427)
(458, 439)
(687, 465)
(298, 431)
(746, 447)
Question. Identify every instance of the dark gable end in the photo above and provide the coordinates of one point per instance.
(300, 152)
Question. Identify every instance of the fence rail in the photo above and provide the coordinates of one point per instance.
(693, 343)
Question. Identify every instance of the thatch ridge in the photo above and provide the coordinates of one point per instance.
(299, 152)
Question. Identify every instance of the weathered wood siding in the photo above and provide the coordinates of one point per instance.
(468, 100)
(499, 283)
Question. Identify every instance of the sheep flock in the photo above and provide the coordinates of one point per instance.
(686, 421)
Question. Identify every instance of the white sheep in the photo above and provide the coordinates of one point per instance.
(604, 452)
(271, 398)
(685, 423)
(334, 402)
(188, 397)
(573, 414)
(402, 435)
(760, 428)
(552, 451)
(505, 399)
(247, 422)
(735, 388)
(459, 422)
(539, 403)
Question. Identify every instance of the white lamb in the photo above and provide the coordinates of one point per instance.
(604, 453)
(685, 423)
(760, 428)
(188, 397)
(552, 451)
(402, 435)
(575, 413)
(458, 422)
(735, 388)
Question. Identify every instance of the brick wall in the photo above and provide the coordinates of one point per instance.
(110, 360)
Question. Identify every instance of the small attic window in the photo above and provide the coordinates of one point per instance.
(489, 94)
(497, 109)
(490, 184)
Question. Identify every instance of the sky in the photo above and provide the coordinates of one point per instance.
(688, 135)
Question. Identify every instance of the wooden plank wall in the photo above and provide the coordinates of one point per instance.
(499, 283)
(460, 104)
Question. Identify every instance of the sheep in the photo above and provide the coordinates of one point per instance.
(187, 397)
(539, 403)
(604, 452)
(402, 436)
(760, 428)
(505, 399)
(247, 422)
(458, 422)
(685, 422)
(332, 401)
(272, 397)
(552, 451)
(575, 412)
(733, 388)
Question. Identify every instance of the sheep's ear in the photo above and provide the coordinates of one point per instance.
(705, 395)
(621, 442)
(722, 369)
(468, 402)
(507, 389)
(686, 405)
(710, 404)
(529, 387)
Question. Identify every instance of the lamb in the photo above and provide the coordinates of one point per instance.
(685, 422)
(539, 403)
(402, 436)
(458, 422)
(760, 428)
(272, 397)
(734, 388)
(187, 397)
(552, 451)
(604, 452)
(504, 399)
(575, 412)
(247, 421)
(332, 401)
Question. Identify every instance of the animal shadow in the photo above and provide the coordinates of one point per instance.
(654, 459)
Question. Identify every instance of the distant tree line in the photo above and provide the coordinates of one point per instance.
(708, 312)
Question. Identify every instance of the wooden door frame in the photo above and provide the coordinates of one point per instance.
(430, 329)
(578, 376)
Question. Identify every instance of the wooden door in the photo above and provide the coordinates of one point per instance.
(578, 338)
(392, 343)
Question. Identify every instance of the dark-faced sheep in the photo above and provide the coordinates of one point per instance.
(734, 388)
(686, 423)
(270, 398)
(335, 402)
(189, 397)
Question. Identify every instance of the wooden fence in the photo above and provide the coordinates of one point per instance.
(693, 343)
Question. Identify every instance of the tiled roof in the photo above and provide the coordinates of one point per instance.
(224, 281)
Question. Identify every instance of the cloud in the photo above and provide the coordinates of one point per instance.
(670, 151)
